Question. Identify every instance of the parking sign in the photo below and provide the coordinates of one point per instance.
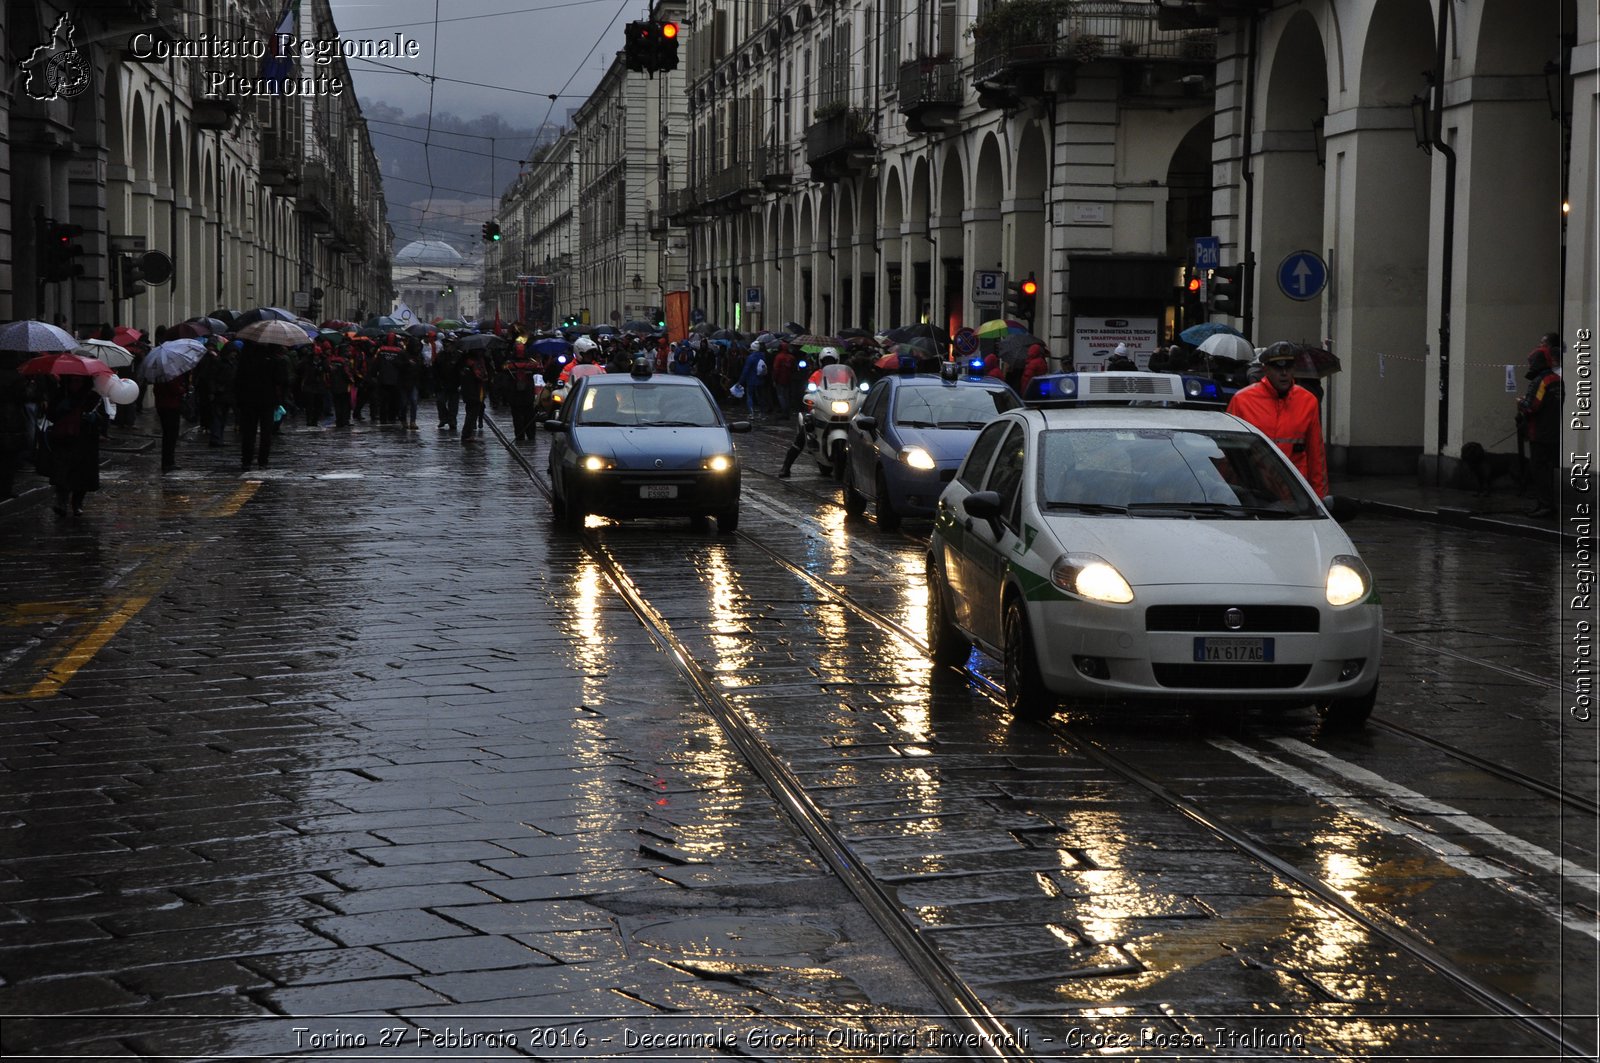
(989, 286)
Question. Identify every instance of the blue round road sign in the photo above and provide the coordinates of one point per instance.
(966, 341)
(1302, 275)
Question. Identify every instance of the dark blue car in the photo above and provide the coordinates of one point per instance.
(910, 435)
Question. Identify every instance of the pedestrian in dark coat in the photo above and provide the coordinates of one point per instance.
(14, 426)
(447, 385)
(260, 381)
(314, 382)
(73, 461)
(410, 366)
(1539, 420)
(169, 396)
(474, 391)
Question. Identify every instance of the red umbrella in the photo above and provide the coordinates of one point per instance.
(126, 335)
(888, 361)
(64, 365)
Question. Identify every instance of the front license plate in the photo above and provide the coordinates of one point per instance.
(659, 491)
(1233, 651)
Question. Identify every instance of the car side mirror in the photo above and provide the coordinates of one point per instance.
(867, 424)
(984, 505)
(1342, 508)
(553, 425)
(740, 426)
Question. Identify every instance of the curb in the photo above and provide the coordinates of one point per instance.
(1465, 518)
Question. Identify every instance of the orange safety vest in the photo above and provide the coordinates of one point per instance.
(1293, 422)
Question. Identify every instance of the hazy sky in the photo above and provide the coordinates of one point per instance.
(503, 57)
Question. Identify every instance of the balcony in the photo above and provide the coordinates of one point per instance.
(680, 206)
(280, 162)
(840, 144)
(211, 112)
(1031, 48)
(774, 168)
(733, 187)
(316, 190)
(930, 93)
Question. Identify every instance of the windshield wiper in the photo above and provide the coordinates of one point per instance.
(917, 424)
(672, 424)
(1087, 507)
(603, 424)
(961, 424)
(1221, 509)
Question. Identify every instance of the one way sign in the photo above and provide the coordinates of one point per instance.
(1302, 275)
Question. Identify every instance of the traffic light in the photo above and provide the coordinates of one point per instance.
(639, 48)
(650, 46)
(128, 277)
(58, 254)
(1227, 290)
(491, 232)
(666, 46)
(1027, 298)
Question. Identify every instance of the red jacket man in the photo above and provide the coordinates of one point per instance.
(1287, 414)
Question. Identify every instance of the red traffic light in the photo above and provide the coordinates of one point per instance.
(1030, 287)
(1194, 284)
(669, 30)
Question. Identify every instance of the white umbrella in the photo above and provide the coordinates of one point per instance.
(1224, 345)
(171, 360)
(36, 336)
(113, 354)
(281, 333)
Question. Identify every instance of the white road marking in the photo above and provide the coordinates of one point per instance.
(1447, 851)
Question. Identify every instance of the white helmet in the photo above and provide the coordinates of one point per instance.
(828, 356)
(584, 345)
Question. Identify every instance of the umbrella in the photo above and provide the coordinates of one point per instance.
(1195, 335)
(704, 328)
(551, 345)
(605, 330)
(113, 354)
(1309, 362)
(228, 317)
(859, 333)
(385, 321)
(443, 322)
(479, 341)
(126, 335)
(336, 323)
(812, 344)
(794, 328)
(1013, 350)
(36, 336)
(171, 360)
(261, 313)
(278, 333)
(999, 328)
(64, 365)
(420, 329)
(192, 330)
(921, 345)
(215, 324)
(1227, 345)
(643, 327)
(888, 361)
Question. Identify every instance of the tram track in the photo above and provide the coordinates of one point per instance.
(964, 1006)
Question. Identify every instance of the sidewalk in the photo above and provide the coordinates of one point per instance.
(1502, 510)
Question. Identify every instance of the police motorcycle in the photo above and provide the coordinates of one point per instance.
(830, 401)
(559, 383)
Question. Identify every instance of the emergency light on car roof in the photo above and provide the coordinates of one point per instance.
(1120, 389)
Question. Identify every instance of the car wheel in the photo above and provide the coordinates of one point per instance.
(1342, 713)
(572, 514)
(946, 643)
(1026, 695)
(855, 503)
(888, 519)
(727, 522)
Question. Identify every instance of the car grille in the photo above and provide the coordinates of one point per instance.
(1236, 676)
(1212, 618)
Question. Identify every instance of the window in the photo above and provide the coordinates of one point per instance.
(1005, 478)
(874, 406)
(957, 407)
(977, 462)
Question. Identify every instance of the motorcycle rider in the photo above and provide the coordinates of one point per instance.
(829, 356)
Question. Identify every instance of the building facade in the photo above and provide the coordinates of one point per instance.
(256, 200)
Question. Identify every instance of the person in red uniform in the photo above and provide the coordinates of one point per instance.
(1287, 413)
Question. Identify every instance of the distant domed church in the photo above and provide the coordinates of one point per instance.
(436, 280)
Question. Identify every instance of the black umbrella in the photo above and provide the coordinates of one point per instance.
(479, 341)
(643, 328)
(227, 317)
(704, 328)
(726, 334)
(794, 328)
(260, 313)
(859, 333)
(1013, 350)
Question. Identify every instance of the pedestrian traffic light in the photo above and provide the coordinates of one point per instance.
(1227, 290)
(491, 231)
(58, 254)
(666, 46)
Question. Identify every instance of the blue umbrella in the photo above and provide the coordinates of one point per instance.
(1195, 335)
(550, 345)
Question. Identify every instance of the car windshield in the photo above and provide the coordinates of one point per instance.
(951, 407)
(644, 406)
(1161, 472)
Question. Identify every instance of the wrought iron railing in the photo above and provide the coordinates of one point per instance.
(929, 81)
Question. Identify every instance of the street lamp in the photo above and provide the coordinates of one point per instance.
(1319, 140)
(638, 282)
(1420, 124)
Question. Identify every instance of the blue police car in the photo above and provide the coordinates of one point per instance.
(909, 437)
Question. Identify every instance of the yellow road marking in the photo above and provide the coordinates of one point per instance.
(85, 649)
(232, 506)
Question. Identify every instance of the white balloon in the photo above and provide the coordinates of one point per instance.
(125, 392)
(103, 383)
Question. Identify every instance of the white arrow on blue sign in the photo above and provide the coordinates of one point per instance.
(1302, 275)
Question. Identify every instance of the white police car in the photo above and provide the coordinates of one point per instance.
(1109, 543)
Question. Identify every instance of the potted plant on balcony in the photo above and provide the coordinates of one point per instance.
(1018, 25)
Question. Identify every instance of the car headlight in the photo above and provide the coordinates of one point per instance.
(1348, 580)
(596, 463)
(918, 458)
(840, 407)
(1090, 576)
(718, 463)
